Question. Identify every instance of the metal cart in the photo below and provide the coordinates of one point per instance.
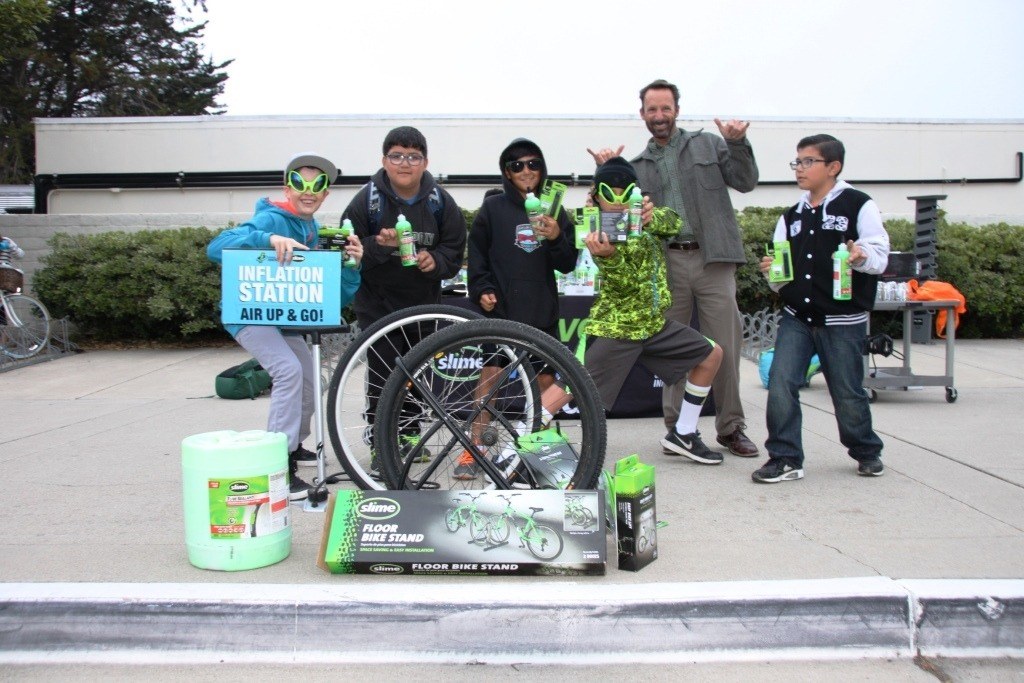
(902, 377)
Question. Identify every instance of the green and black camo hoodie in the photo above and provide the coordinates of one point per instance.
(634, 287)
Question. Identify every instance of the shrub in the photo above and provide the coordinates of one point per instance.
(159, 285)
(153, 284)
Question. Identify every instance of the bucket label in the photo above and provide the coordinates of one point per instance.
(248, 507)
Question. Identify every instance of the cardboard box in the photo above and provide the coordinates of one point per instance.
(636, 515)
(463, 533)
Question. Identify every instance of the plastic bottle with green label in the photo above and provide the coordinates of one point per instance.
(534, 213)
(636, 211)
(842, 274)
(406, 241)
(346, 232)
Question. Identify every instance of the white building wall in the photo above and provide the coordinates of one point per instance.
(876, 150)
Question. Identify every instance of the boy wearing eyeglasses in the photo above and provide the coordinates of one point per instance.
(627, 320)
(512, 263)
(287, 226)
(830, 213)
(403, 186)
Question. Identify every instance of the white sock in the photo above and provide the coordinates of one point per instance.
(689, 411)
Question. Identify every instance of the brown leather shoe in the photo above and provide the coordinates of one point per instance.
(739, 444)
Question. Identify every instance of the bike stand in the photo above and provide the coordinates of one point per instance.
(318, 502)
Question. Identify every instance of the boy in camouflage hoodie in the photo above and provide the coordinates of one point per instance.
(627, 321)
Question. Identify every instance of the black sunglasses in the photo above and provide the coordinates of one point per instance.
(517, 166)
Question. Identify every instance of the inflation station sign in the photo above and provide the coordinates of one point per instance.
(255, 290)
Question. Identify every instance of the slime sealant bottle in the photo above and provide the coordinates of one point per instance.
(636, 210)
(533, 213)
(406, 241)
(346, 232)
(842, 274)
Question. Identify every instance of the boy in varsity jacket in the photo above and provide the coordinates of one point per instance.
(830, 213)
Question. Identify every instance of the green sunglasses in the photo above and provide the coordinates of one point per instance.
(300, 184)
(608, 194)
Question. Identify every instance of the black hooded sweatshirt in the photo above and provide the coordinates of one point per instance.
(522, 277)
(387, 285)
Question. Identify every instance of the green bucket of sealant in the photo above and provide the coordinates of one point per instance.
(235, 487)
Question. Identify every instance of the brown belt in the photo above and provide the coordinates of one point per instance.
(683, 246)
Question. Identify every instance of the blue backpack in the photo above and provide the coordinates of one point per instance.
(764, 365)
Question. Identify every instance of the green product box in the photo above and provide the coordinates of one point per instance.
(588, 220)
(464, 533)
(636, 516)
(781, 269)
(551, 197)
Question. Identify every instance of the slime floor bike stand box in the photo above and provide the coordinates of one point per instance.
(637, 519)
(465, 533)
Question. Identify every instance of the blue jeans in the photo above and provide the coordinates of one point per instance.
(840, 349)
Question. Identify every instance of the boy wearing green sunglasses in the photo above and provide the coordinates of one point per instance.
(627, 321)
(287, 226)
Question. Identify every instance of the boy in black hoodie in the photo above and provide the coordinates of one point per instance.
(512, 264)
(402, 186)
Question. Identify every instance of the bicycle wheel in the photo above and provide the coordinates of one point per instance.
(499, 527)
(478, 528)
(453, 520)
(26, 326)
(544, 543)
(439, 376)
(349, 417)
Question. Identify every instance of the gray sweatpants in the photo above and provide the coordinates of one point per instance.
(288, 360)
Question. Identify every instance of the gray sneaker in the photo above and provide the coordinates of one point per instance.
(871, 468)
(691, 446)
(776, 470)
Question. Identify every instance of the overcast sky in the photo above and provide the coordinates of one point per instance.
(906, 59)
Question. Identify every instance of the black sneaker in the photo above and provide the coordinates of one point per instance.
(776, 470)
(871, 468)
(304, 457)
(297, 488)
(691, 446)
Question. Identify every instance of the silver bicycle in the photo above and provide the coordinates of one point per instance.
(24, 321)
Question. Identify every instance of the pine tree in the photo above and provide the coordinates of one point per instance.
(98, 58)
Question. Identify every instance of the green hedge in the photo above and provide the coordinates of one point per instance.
(159, 285)
(148, 285)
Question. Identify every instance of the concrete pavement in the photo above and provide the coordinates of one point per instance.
(927, 558)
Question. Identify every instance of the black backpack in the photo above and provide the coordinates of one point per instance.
(375, 207)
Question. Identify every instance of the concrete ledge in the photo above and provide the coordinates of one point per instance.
(968, 618)
(464, 622)
(502, 623)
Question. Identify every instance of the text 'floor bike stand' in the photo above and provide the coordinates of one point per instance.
(318, 494)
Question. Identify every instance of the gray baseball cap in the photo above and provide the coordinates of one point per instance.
(314, 161)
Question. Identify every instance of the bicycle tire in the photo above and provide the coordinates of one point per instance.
(451, 520)
(478, 528)
(444, 363)
(544, 543)
(499, 528)
(347, 409)
(26, 326)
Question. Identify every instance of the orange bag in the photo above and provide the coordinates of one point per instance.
(933, 290)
